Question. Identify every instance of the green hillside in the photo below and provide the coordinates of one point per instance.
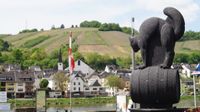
(113, 43)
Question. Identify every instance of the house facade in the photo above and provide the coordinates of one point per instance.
(17, 84)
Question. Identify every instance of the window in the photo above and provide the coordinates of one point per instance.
(3, 84)
(2, 89)
(74, 83)
(74, 88)
(79, 83)
(79, 88)
(100, 88)
(79, 62)
(20, 89)
(20, 84)
(94, 88)
(10, 89)
(10, 84)
(86, 88)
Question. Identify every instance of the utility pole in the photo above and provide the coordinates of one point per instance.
(133, 53)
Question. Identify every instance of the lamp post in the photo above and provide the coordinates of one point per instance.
(132, 34)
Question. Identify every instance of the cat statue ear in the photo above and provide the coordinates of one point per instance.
(134, 43)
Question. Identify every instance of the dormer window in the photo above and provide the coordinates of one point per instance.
(79, 62)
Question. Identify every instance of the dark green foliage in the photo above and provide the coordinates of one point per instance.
(34, 42)
(181, 58)
(124, 62)
(193, 58)
(110, 27)
(126, 30)
(29, 30)
(97, 61)
(17, 56)
(92, 24)
(115, 81)
(191, 35)
(62, 26)
(4, 45)
(44, 83)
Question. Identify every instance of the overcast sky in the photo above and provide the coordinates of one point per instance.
(16, 15)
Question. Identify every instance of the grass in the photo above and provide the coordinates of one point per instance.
(185, 102)
(34, 42)
(90, 40)
(61, 102)
(188, 46)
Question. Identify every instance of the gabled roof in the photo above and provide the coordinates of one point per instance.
(7, 77)
(77, 74)
(91, 75)
(25, 76)
(95, 83)
(104, 74)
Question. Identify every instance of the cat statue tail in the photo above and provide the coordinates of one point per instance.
(175, 18)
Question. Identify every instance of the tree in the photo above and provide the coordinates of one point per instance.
(93, 24)
(17, 56)
(110, 27)
(44, 83)
(115, 82)
(61, 80)
(181, 58)
(4, 45)
(53, 27)
(62, 26)
(124, 62)
(38, 54)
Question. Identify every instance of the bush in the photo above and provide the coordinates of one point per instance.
(28, 30)
(93, 24)
(110, 27)
(44, 83)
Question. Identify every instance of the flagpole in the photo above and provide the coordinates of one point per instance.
(133, 53)
(70, 71)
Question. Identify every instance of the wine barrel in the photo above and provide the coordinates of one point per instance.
(155, 87)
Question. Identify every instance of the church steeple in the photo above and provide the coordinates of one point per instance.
(60, 56)
(60, 63)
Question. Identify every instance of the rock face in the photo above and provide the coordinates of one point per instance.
(154, 84)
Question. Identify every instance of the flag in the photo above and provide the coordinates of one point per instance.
(71, 58)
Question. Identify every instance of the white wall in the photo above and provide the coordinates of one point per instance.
(77, 83)
(84, 68)
(21, 86)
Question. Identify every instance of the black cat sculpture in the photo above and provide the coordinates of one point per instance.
(157, 38)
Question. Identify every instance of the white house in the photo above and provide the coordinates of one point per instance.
(83, 67)
(186, 70)
(110, 69)
(92, 78)
(94, 89)
(77, 84)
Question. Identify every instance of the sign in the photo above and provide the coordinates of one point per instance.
(3, 96)
(4, 107)
(121, 103)
(41, 101)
